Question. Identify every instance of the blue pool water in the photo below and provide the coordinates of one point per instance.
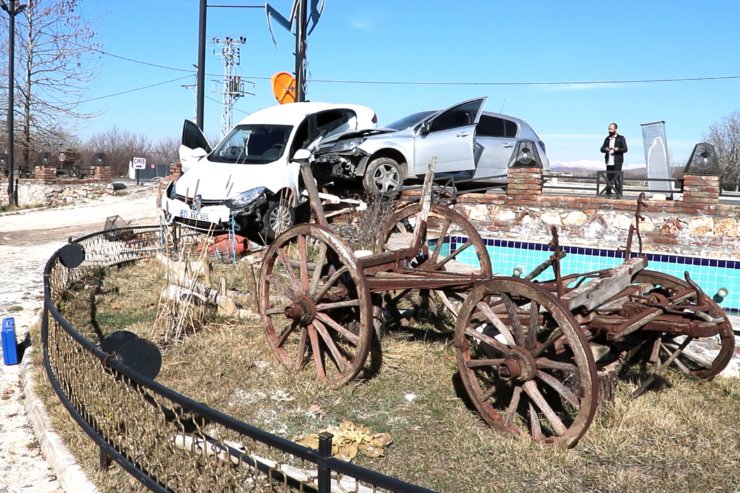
(507, 255)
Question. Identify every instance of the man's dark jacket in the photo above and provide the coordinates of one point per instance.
(619, 142)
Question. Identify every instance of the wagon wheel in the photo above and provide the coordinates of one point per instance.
(701, 357)
(315, 306)
(397, 233)
(525, 363)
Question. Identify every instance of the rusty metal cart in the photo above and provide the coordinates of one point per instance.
(535, 357)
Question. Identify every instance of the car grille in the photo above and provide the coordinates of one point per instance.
(189, 201)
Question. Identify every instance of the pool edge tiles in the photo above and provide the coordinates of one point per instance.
(710, 273)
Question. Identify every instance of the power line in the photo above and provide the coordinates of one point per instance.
(521, 83)
(441, 83)
(133, 90)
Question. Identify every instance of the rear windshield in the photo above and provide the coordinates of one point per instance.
(253, 144)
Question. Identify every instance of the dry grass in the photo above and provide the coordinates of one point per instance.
(681, 437)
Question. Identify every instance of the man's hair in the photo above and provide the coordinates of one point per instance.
(615, 125)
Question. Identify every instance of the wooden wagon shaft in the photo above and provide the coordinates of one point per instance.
(596, 292)
(313, 194)
(415, 279)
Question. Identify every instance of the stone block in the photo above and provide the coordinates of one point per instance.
(701, 226)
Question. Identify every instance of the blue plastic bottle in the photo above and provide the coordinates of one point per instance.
(10, 348)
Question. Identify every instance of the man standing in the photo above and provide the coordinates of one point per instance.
(614, 147)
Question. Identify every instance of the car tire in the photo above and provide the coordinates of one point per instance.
(383, 176)
(279, 216)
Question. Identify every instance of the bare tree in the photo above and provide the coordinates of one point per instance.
(165, 150)
(56, 56)
(724, 135)
(120, 146)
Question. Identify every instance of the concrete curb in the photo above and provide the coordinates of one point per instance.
(61, 461)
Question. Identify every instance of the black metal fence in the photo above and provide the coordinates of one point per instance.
(612, 182)
(162, 438)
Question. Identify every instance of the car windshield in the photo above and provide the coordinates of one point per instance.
(252, 144)
(409, 121)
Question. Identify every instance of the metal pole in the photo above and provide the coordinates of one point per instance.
(300, 51)
(11, 89)
(200, 91)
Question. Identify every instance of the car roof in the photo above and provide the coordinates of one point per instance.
(294, 113)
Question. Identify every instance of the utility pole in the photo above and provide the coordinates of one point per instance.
(233, 85)
(301, 33)
(12, 9)
(200, 95)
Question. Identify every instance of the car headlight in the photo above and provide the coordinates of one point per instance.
(245, 198)
(347, 145)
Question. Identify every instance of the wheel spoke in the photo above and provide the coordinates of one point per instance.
(278, 283)
(288, 269)
(318, 267)
(351, 337)
(546, 363)
(330, 282)
(300, 361)
(534, 312)
(477, 363)
(323, 307)
(497, 322)
(285, 333)
(470, 332)
(534, 423)
(441, 240)
(530, 387)
(561, 389)
(514, 320)
(454, 254)
(303, 256)
(316, 349)
(339, 359)
(513, 405)
(554, 336)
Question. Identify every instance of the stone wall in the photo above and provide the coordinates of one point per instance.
(36, 193)
(694, 224)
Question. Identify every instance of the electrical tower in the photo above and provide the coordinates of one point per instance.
(233, 85)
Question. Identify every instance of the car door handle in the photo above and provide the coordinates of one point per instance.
(463, 134)
(507, 146)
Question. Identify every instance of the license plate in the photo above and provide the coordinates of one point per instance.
(196, 216)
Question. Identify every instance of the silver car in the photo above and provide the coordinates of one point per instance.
(467, 142)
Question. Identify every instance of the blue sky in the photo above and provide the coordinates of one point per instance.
(469, 41)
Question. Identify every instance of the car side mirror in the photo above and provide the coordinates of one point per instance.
(426, 127)
(301, 156)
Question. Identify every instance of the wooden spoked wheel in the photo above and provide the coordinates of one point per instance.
(315, 306)
(466, 254)
(701, 357)
(525, 363)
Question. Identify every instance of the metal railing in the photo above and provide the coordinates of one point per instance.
(605, 180)
(164, 439)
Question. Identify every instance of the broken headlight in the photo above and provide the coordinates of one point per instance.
(245, 198)
(347, 145)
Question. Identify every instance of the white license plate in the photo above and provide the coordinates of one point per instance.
(197, 216)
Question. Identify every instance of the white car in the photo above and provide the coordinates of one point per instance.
(248, 183)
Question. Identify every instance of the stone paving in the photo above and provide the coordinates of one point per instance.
(27, 240)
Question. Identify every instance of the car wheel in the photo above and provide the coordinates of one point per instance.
(383, 176)
(278, 217)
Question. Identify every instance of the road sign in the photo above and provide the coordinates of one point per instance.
(62, 157)
(139, 163)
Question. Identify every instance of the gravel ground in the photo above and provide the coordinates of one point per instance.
(27, 240)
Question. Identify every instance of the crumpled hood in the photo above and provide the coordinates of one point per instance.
(221, 181)
(351, 134)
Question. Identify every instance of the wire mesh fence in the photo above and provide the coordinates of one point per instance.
(164, 439)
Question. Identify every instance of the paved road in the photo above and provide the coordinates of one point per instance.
(27, 240)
